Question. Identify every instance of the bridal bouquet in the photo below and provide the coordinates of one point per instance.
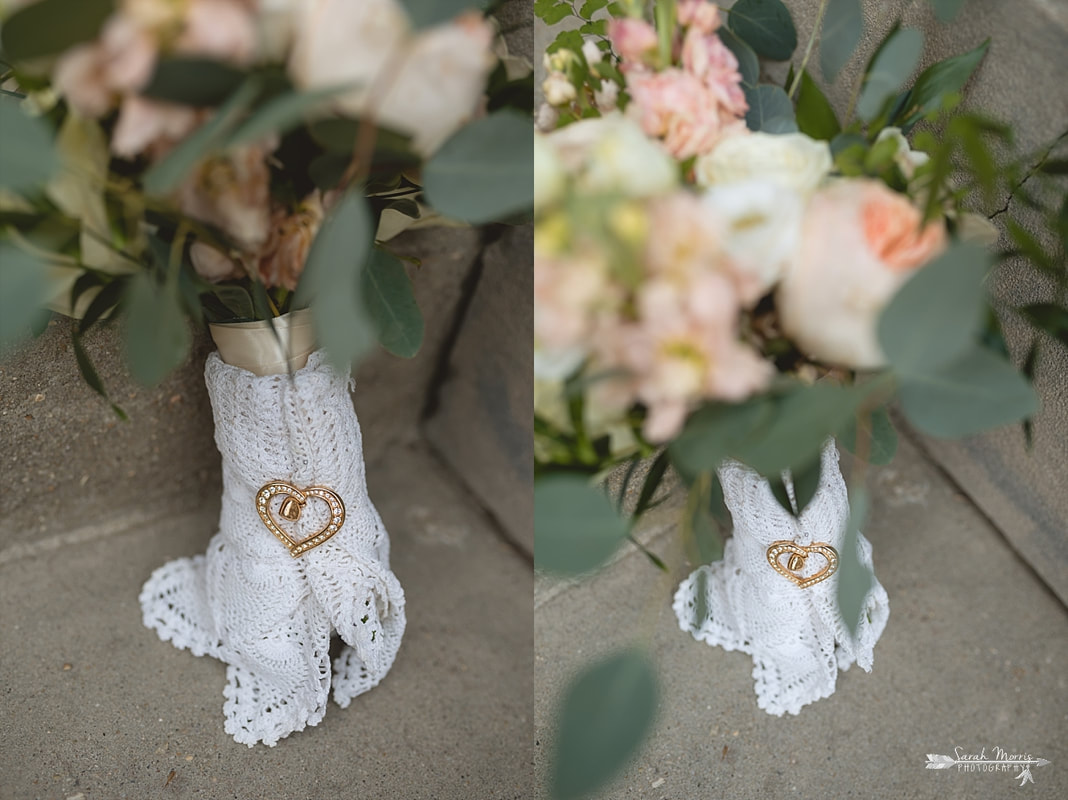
(729, 275)
(231, 160)
(244, 163)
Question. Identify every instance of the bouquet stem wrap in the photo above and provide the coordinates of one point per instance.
(247, 601)
(796, 636)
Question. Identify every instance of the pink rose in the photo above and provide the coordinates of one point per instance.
(859, 243)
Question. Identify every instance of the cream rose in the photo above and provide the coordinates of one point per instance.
(790, 159)
(548, 176)
(860, 242)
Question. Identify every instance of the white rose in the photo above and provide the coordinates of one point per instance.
(612, 154)
(760, 222)
(791, 159)
(548, 174)
(557, 89)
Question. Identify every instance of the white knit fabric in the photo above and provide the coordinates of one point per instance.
(797, 637)
(247, 601)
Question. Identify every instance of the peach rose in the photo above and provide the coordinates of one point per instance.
(283, 258)
(232, 191)
(860, 241)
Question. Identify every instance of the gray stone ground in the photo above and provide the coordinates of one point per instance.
(973, 656)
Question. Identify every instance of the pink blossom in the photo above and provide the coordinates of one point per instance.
(634, 40)
(699, 14)
(567, 293)
(130, 51)
(707, 58)
(145, 122)
(80, 77)
(223, 29)
(686, 238)
(676, 106)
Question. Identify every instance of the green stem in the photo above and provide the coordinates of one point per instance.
(808, 49)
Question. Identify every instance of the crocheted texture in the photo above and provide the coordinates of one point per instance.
(247, 601)
(797, 637)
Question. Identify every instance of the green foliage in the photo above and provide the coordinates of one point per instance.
(946, 10)
(815, 117)
(331, 284)
(748, 63)
(90, 375)
(843, 25)
(977, 391)
(575, 527)
(157, 335)
(877, 428)
(165, 176)
(702, 535)
(49, 27)
(770, 110)
(387, 292)
(484, 171)
(193, 81)
(604, 715)
(425, 13)
(936, 316)
(552, 11)
(27, 155)
(940, 80)
(854, 578)
(1048, 317)
(22, 291)
(891, 67)
(766, 26)
(281, 114)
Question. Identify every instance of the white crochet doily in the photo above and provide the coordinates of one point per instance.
(797, 637)
(247, 601)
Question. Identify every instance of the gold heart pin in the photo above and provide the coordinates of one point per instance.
(291, 509)
(798, 555)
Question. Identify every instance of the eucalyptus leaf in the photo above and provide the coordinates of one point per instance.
(855, 579)
(766, 26)
(27, 155)
(331, 283)
(387, 293)
(484, 172)
(946, 10)
(575, 527)
(22, 292)
(165, 175)
(890, 69)
(770, 110)
(717, 431)
(843, 25)
(425, 13)
(937, 314)
(978, 391)
(748, 63)
(236, 299)
(941, 79)
(48, 27)
(606, 712)
(706, 543)
(282, 114)
(193, 81)
(1049, 317)
(879, 429)
(157, 335)
(815, 117)
(806, 481)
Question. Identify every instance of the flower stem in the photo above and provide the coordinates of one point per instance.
(808, 48)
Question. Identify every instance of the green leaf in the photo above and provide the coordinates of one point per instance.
(237, 300)
(1031, 248)
(815, 117)
(27, 156)
(425, 13)
(770, 110)
(1049, 317)
(936, 315)
(716, 431)
(193, 81)
(653, 479)
(806, 481)
(707, 539)
(165, 176)
(876, 426)
(157, 336)
(748, 63)
(890, 69)
(606, 712)
(843, 25)
(575, 526)
(766, 26)
(941, 79)
(591, 7)
(49, 27)
(946, 10)
(22, 292)
(855, 579)
(387, 291)
(106, 299)
(484, 171)
(331, 284)
(976, 392)
(282, 114)
(552, 11)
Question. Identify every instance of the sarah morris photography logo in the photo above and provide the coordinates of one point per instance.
(1016, 764)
